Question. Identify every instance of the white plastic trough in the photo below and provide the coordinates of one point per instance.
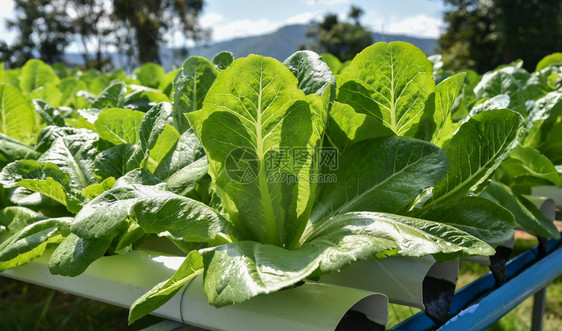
(546, 205)
(554, 192)
(399, 278)
(121, 279)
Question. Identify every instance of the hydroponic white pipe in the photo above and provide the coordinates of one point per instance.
(399, 278)
(546, 205)
(121, 279)
(553, 192)
(485, 260)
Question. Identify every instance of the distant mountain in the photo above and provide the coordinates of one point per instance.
(427, 45)
(279, 44)
(285, 41)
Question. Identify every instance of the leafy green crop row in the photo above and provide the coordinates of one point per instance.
(229, 160)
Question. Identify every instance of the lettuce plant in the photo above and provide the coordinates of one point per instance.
(265, 173)
(284, 232)
(536, 96)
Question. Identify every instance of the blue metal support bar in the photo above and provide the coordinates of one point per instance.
(478, 305)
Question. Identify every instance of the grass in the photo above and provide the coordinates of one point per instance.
(520, 317)
(25, 306)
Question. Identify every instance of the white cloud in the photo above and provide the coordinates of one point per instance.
(327, 2)
(246, 27)
(210, 19)
(302, 18)
(243, 28)
(6, 12)
(419, 25)
(7, 7)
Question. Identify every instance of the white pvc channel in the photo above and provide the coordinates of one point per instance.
(399, 278)
(121, 279)
(546, 205)
(553, 192)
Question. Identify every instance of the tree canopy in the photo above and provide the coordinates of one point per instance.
(43, 30)
(342, 39)
(151, 21)
(481, 35)
(137, 29)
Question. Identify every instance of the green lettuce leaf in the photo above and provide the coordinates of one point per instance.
(253, 116)
(34, 74)
(151, 127)
(397, 78)
(184, 165)
(154, 209)
(74, 254)
(552, 59)
(13, 150)
(49, 134)
(16, 218)
(113, 96)
(313, 74)
(30, 242)
(238, 271)
(185, 151)
(150, 74)
(75, 155)
(143, 98)
(92, 191)
(185, 180)
(192, 83)
(526, 214)
(385, 175)
(482, 218)
(526, 164)
(475, 151)
(137, 176)
(346, 126)
(113, 161)
(333, 62)
(17, 118)
(223, 60)
(164, 291)
(445, 94)
(69, 87)
(500, 101)
(46, 179)
(49, 93)
(545, 115)
(496, 83)
(50, 114)
(119, 126)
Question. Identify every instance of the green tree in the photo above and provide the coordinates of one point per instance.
(93, 30)
(342, 39)
(43, 30)
(481, 35)
(151, 21)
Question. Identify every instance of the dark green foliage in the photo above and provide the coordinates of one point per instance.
(49, 41)
(242, 185)
(342, 39)
(149, 21)
(482, 35)
(138, 28)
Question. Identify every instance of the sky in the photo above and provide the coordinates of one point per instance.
(239, 18)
